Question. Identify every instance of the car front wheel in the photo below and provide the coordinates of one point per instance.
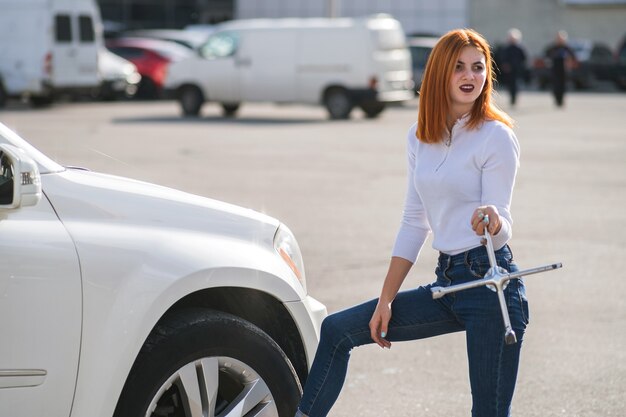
(338, 103)
(230, 109)
(373, 109)
(3, 96)
(191, 100)
(208, 363)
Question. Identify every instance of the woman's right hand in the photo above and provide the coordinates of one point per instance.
(379, 324)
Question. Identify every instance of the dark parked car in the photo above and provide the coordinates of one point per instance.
(420, 47)
(151, 57)
(594, 62)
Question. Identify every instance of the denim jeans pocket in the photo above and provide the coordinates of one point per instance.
(442, 278)
(478, 266)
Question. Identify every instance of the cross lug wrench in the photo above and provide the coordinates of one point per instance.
(496, 279)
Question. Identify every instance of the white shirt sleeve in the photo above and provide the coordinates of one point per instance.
(414, 228)
(501, 161)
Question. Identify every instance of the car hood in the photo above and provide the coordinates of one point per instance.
(85, 196)
(112, 66)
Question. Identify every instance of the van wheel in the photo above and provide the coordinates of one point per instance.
(191, 100)
(338, 103)
(148, 89)
(373, 109)
(230, 109)
(3, 96)
(41, 101)
(207, 363)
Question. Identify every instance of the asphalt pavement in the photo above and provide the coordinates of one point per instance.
(340, 186)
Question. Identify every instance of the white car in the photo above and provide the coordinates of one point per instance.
(122, 298)
(340, 63)
(119, 77)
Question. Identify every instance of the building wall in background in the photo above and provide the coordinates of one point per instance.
(599, 20)
(165, 14)
(539, 20)
(424, 16)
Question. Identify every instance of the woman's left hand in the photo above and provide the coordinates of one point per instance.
(478, 225)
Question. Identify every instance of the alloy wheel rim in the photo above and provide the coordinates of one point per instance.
(213, 387)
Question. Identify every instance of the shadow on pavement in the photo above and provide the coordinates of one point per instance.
(242, 120)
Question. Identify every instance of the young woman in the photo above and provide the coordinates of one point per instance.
(462, 162)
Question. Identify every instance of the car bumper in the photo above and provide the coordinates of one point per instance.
(308, 314)
(368, 95)
(119, 88)
(395, 96)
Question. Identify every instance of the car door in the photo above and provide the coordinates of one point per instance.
(74, 45)
(266, 62)
(40, 313)
(602, 62)
(219, 69)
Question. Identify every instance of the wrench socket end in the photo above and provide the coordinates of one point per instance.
(510, 338)
(437, 292)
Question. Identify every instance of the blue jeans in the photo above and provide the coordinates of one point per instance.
(415, 315)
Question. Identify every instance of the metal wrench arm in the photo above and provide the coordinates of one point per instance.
(496, 278)
(439, 292)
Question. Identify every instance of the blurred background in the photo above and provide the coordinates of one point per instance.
(86, 82)
(137, 40)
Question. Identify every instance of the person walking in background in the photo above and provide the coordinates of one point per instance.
(562, 58)
(513, 63)
(462, 160)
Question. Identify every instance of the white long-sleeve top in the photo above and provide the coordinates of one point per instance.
(448, 181)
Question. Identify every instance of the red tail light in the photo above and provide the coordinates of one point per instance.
(373, 84)
(47, 64)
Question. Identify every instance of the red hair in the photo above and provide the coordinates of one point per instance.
(434, 101)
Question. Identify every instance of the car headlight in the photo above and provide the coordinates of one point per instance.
(287, 247)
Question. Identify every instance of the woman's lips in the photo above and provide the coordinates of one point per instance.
(467, 88)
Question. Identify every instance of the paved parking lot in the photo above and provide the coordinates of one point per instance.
(339, 186)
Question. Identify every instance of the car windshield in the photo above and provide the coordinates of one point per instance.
(220, 45)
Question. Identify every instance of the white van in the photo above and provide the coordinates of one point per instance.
(48, 47)
(340, 63)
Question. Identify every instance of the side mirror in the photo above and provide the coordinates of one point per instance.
(20, 182)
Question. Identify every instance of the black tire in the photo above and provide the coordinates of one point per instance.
(148, 89)
(338, 103)
(372, 109)
(206, 352)
(191, 100)
(3, 96)
(230, 109)
(41, 101)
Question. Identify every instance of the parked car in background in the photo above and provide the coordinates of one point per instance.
(152, 57)
(595, 61)
(206, 28)
(340, 63)
(119, 77)
(172, 304)
(420, 47)
(620, 65)
(48, 48)
(191, 39)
